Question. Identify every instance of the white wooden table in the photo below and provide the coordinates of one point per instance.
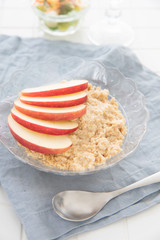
(17, 18)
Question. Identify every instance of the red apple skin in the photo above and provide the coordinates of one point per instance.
(58, 104)
(56, 92)
(52, 116)
(35, 147)
(42, 129)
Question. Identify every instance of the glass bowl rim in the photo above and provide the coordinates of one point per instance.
(59, 18)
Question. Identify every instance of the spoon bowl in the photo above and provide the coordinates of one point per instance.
(78, 205)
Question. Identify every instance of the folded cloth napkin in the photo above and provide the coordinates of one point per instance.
(30, 191)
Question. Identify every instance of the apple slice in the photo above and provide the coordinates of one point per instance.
(55, 114)
(56, 101)
(56, 89)
(47, 127)
(38, 142)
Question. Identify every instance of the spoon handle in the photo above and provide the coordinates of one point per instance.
(154, 178)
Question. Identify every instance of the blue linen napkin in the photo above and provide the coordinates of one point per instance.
(30, 191)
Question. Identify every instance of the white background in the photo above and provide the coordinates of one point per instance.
(17, 18)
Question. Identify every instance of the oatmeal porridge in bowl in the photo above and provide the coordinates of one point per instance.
(77, 128)
(98, 134)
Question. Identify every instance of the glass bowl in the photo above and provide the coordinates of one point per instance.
(131, 103)
(62, 24)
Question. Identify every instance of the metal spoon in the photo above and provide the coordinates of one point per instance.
(82, 205)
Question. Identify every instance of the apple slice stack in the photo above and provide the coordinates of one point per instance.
(42, 116)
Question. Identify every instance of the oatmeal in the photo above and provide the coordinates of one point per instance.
(99, 136)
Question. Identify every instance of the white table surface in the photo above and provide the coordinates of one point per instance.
(17, 18)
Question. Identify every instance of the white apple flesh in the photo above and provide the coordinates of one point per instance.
(56, 101)
(42, 126)
(39, 142)
(56, 114)
(62, 88)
